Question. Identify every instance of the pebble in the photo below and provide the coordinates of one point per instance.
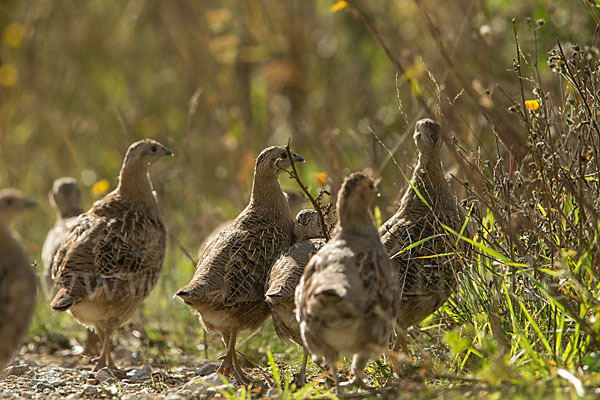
(105, 375)
(90, 390)
(139, 374)
(111, 390)
(17, 370)
(40, 387)
(208, 368)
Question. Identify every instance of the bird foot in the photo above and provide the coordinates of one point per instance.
(100, 362)
(242, 377)
(299, 379)
(226, 367)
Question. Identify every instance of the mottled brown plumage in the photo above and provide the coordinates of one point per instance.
(347, 298)
(285, 275)
(227, 289)
(65, 197)
(294, 199)
(426, 278)
(112, 257)
(17, 277)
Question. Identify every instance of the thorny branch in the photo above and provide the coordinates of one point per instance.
(315, 203)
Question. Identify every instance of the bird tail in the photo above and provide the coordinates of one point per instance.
(62, 301)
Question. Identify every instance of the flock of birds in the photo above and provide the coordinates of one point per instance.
(344, 296)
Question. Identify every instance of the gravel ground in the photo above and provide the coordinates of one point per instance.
(68, 376)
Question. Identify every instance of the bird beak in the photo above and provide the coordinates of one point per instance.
(168, 152)
(298, 157)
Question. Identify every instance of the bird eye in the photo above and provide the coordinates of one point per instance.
(154, 149)
(284, 155)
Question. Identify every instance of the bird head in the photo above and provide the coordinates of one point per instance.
(12, 203)
(65, 196)
(146, 151)
(274, 160)
(427, 136)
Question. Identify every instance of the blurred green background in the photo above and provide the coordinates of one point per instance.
(217, 81)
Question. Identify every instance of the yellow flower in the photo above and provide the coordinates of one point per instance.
(100, 187)
(340, 5)
(8, 75)
(321, 178)
(13, 35)
(532, 105)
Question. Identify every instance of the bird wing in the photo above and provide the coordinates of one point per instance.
(288, 268)
(422, 267)
(234, 266)
(251, 257)
(111, 241)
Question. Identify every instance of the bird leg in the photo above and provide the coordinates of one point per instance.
(91, 343)
(336, 379)
(239, 373)
(399, 343)
(301, 377)
(226, 367)
(100, 361)
(105, 359)
(358, 364)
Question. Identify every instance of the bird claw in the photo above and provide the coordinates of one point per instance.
(99, 363)
(226, 368)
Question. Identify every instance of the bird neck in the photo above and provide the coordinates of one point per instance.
(69, 212)
(429, 180)
(135, 184)
(429, 172)
(267, 193)
(10, 248)
(358, 220)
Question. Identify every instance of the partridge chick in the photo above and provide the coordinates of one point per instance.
(65, 197)
(428, 271)
(285, 275)
(17, 277)
(347, 298)
(113, 255)
(228, 287)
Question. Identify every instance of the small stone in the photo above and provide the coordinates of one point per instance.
(17, 370)
(105, 375)
(139, 374)
(40, 387)
(195, 388)
(208, 368)
(176, 396)
(213, 379)
(90, 390)
(111, 390)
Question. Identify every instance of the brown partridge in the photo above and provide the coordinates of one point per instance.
(285, 275)
(428, 271)
(17, 277)
(65, 197)
(113, 255)
(347, 298)
(228, 287)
